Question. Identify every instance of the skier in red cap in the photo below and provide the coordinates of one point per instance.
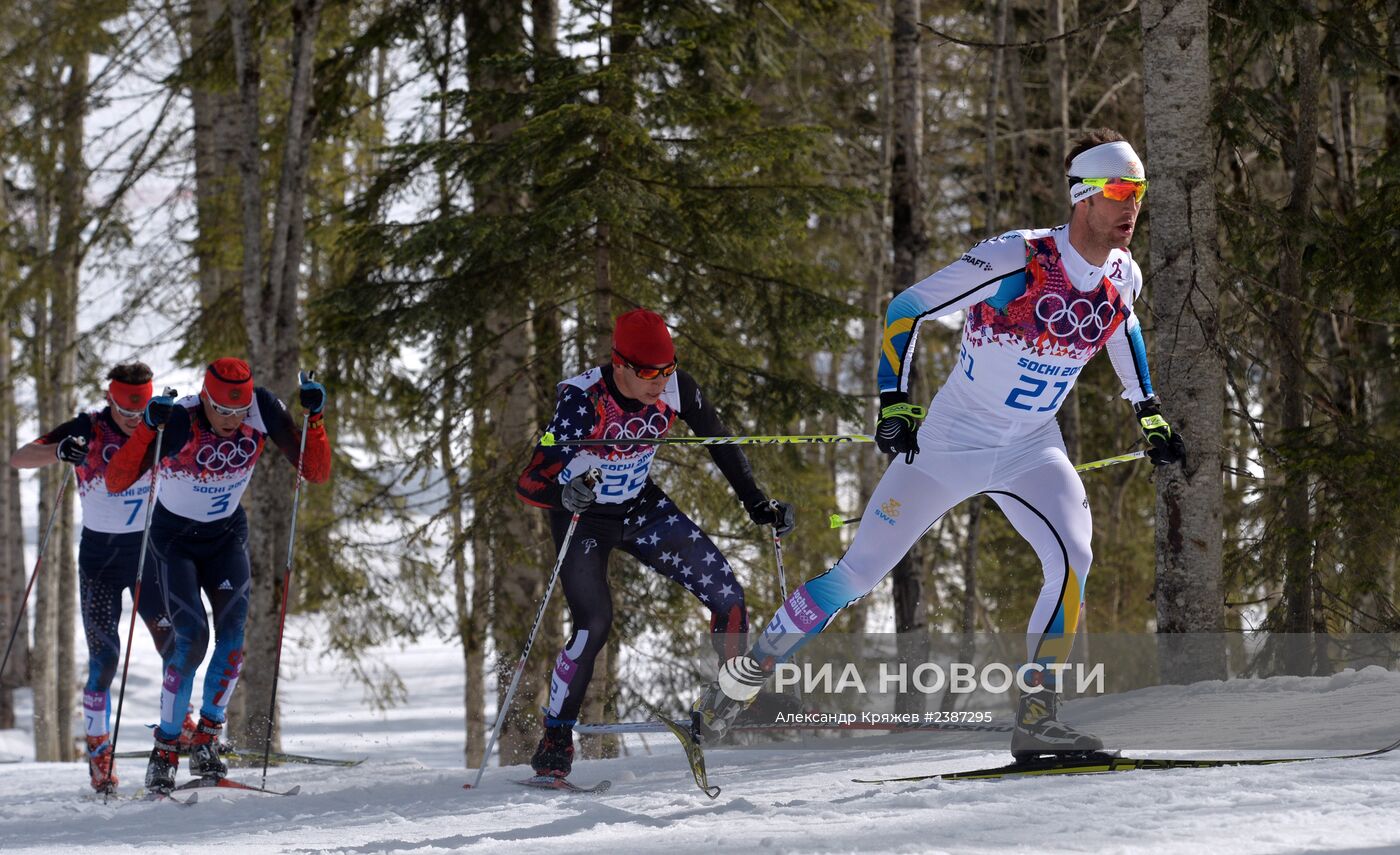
(109, 549)
(639, 395)
(199, 538)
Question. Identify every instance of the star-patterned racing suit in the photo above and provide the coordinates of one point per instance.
(631, 513)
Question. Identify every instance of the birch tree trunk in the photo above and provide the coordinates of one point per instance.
(512, 537)
(1186, 363)
(72, 184)
(218, 244)
(272, 317)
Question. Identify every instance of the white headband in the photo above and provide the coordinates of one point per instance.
(1109, 160)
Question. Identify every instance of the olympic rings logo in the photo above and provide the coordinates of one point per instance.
(229, 454)
(1080, 318)
(638, 428)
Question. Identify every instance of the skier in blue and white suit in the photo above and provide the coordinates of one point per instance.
(1040, 303)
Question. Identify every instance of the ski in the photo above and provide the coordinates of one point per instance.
(657, 726)
(564, 785)
(145, 796)
(254, 758)
(694, 755)
(276, 758)
(229, 783)
(1100, 762)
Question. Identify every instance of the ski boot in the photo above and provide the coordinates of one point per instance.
(161, 769)
(554, 756)
(204, 750)
(1039, 731)
(187, 732)
(767, 708)
(99, 752)
(740, 680)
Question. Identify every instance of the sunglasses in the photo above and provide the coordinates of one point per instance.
(647, 372)
(1116, 189)
(227, 411)
(124, 412)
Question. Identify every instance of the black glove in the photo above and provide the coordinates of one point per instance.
(313, 394)
(766, 511)
(1164, 445)
(898, 429)
(158, 411)
(72, 449)
(578, 495)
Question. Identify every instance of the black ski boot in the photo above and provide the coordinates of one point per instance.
(768, 708)
(161, 768)
(204, 750)
(740, 680)
(554, 756)
(1039, 731)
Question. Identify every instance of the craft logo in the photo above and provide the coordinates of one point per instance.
(888, 512)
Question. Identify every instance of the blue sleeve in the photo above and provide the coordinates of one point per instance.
(981, 273)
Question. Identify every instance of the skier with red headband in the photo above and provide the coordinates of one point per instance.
(1040, 304)
(199, 538)
(637, 396)
(109, 547)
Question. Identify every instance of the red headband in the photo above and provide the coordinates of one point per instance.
(229, 382)
(130, 396)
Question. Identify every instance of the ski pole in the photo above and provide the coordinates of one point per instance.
(549, 440)
(836, 520)
(38, 562)
(303, 377)
(593, 476)
(778, 552)
(136, 594)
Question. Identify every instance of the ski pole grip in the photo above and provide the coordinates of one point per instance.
(169, 392)
(306, 376)
(593, 477)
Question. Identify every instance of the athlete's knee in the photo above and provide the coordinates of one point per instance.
(595, 630)
(101, 670)
(191, 643)
(840, 586)
(729, 616)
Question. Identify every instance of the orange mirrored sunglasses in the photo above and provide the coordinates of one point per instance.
(648, 372)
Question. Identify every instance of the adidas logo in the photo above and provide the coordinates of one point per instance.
(225, 586)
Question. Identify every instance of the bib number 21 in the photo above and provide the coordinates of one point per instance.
(1031, 391)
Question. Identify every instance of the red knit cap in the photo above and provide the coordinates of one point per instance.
(643, 340)
(229, 382)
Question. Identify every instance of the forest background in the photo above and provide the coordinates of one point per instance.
(440, 205)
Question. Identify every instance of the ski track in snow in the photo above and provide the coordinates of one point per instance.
(408, 796)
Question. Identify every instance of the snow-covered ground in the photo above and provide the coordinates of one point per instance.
(408, 796)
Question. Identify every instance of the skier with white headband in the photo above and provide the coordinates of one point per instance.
(1040, 303)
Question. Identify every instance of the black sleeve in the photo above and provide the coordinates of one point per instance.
(177, 432)
(281, 428)
(697, 412)
(79, 426)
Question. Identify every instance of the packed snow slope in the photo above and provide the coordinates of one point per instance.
(408, 795)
